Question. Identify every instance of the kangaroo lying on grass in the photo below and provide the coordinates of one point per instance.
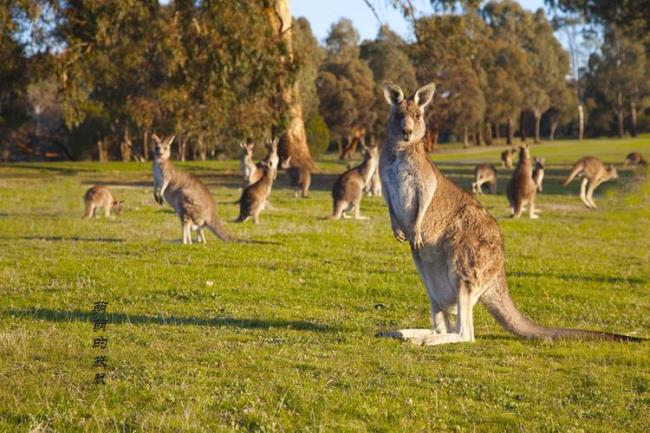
(100, 196)
(634, 159)
(455, 243)
(521, 188)
(594, 173)
(348, 188)
(484, 173)
(538, 173)
(189, 197)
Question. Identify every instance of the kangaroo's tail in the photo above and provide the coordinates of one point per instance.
(498, 302)
(577, 168)
(217, 228)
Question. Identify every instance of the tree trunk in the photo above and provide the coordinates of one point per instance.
(510, 132)
(497, 135)
(146, 152)
(182, 147)
(465, 137)
(203, 152)
(102, 150)
(581, 122)
(633, 120)
(554, 125)
(522, 131)
(479, 137)
(126, 146)
(488, 134)
(294, 140)
(620, 115)
(538, 121)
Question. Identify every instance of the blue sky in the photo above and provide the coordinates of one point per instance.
(322, 13)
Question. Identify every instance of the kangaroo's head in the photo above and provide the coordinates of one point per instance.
(370, 152)
(612, 173)
(163, 148)
(524, 153)
(540, 163)
(118, 205)
(272, 155)
(406, 124)
(247, 148)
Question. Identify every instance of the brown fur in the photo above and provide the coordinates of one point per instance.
(255, 197)
(507, 157)
(593, 173)
(190, 198)
(484, 173)
(538, 173)
(634, 159)
(348, 188)
(521, 189)
(101, 196)
(455, 243)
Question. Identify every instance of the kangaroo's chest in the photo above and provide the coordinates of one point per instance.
(402, 181)
(158, 175)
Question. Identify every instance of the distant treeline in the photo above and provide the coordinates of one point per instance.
(82, 79)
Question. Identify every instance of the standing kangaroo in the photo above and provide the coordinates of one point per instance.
(594, 173)
(521, 188)
(100, 196)
(484, 173)
(348, 188)
(507, 157)
(538, 173)
(247, 165)
(455, 243)
(189, 197)
(254, 198)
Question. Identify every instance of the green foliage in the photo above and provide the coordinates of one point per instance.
(318, 136)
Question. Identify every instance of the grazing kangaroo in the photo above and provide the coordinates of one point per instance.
(254, 198)
(455, 243)
(594, 173)
(484, 173)
(538, 173)
(189, 197)
(100, 196)
(348, 188)
(507, 157)
(634, 159)
(522, 188)
(247, 165)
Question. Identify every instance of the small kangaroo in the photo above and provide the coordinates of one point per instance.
(247, 165)
(594, 173)
(538, 173)
(189, 197)
(373, 188)
(348, 188)
(455, 243)
(484, 173)
(101, 196)
(522, 188)
(254, 198)
(507, 157)
(635, 159)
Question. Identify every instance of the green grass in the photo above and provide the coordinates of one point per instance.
(280, 336)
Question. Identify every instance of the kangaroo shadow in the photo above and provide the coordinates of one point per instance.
(573, 277)
(67, 239)
(139, 319)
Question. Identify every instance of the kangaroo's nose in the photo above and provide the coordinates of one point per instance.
(406, 132)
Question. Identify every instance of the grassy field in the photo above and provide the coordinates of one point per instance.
(280, 336)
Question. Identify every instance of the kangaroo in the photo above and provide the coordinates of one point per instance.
(538, 173)
(507, 157)
(455, 243)
(521, 188)
(189, 197)
(247, 165)
(254, 198)
(484, 173)
(101, 196)
(594, 173)
(635, 159)
(348, 188)
(373, 188)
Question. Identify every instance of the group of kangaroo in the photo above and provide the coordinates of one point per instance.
(528, 177)
(455, 243)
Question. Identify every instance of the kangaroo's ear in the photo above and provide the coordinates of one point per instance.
(156, 138)
(170, 140)
(275, 142)
(242, 145)
(424, 95)
(393, 93)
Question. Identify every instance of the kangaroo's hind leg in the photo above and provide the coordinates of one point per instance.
(357, 208)
(583, 193)
(590, 193)
(200, 237)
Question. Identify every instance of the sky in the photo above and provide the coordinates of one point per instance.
(322, 13)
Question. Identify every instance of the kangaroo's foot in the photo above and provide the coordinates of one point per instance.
(361, 217)
(425, 337)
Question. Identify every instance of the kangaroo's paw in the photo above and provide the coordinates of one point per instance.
(534, 216)
(399, 235)
(417, 241)
(361, 217)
